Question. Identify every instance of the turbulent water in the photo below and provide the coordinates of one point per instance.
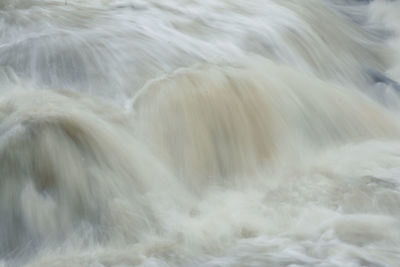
(199, 133)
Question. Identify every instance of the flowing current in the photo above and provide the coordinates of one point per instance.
(199, 133)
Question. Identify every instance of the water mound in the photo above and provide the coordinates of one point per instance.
(64, 160)
(222, 121)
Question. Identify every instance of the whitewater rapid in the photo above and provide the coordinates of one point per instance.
(199, 133)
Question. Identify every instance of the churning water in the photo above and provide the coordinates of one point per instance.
(199, 133)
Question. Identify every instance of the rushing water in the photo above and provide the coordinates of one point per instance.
(199, 133)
